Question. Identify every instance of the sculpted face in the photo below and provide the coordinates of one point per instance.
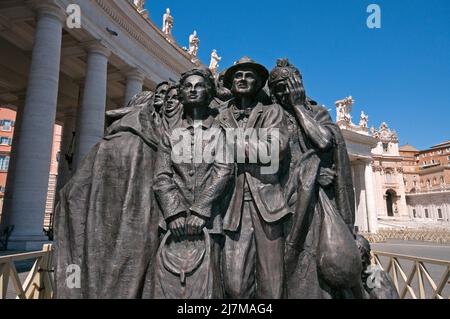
(245, 83)
(160, 94)
(194, 91)
(289, 92)
(172, 100)
(281, 92)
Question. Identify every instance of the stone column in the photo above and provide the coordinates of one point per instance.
(372, 214)
(361, 218)
(401, 202)
(135, 81)
(34, 147)
(91, 121)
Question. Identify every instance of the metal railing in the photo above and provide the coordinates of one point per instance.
(38, 284)
(413, 276)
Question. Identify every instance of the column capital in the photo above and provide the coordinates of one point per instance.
(135, 74)
(97, 47)
(49, 8)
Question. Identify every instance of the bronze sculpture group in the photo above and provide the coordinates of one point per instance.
(231, 187)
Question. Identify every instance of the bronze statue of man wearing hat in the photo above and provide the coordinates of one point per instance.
(254, 243)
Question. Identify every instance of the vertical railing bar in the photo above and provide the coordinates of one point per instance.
(420, 280)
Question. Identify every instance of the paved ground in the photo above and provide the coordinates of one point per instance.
(418, 249)
(415, 248)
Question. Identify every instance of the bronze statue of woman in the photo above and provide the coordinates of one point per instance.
(321, 257)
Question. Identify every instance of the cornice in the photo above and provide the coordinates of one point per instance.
(359, 138)
(140, 36)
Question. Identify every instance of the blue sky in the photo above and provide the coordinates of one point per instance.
(399, 74)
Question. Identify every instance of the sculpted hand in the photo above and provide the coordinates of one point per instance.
(177, 227)
(326, 176)
(297, 94)
(195, 225)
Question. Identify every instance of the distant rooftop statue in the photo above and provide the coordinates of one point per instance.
(214, 64)
(384, 134)
(140, 6)
(344, 117)
(167, 23)
(344, 109)
(194, 42)
(364, 120)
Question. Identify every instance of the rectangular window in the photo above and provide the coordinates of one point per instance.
(439, 213)
(5, 140)
(6, 125)
(426, 213)
(4, 162)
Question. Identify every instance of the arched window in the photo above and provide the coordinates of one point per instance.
(389, 178)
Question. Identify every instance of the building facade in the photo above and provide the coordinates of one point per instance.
(359, 145)
(7, 123)
(389, 180)
(427, 182)
(55, 71)
(405, 187)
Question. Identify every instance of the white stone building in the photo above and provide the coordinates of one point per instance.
(360, 144)
(377, 171)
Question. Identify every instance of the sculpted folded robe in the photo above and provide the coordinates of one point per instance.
(106, 222)
(312, 203)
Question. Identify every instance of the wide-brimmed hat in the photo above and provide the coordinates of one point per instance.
(245, 62)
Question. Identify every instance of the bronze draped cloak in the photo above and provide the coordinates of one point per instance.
(301, 266)
(106, 222)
